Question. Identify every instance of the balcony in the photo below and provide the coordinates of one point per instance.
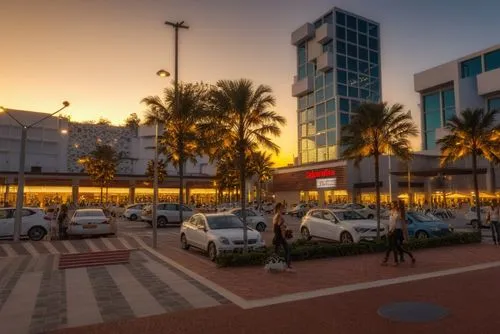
(325, 62)
(302, 34)
(488, 82)
(324, 33)
(302, 87)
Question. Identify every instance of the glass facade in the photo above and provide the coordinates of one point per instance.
(471, 67)
(337, 92)
(492, 60)
(439, 107)
(494, 103)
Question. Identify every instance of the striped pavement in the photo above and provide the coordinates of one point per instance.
(36, 297)
(56, 247)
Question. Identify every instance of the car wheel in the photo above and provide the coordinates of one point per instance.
(36, 233)
(162, 221)
(370, 216)
(184, 242)
(421, 235)
(261, 227)
(133, 217)
(346, 238)
(305, 233)
(212, 251)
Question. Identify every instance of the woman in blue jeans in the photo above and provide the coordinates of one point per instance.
(279, 239)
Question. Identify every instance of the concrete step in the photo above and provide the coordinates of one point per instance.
(79, 260)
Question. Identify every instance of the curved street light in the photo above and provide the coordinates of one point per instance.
(22, 159)
(162, 73)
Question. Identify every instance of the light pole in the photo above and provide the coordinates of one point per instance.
(22, 159)
(176, 27)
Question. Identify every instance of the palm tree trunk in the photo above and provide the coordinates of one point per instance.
(377, 193)
(181, 188)
(100, 200)
(476, 189)
(242, 198)
(107, 193)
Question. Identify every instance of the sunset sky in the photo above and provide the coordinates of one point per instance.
(102, 55)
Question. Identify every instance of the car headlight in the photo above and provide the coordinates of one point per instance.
(224, 240)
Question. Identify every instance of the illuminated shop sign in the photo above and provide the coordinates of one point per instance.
(326, 183)
(314, 174)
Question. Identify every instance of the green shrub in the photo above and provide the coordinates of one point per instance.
(307, 250)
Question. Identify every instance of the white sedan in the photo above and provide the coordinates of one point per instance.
(217, 233)
(89, 222)
(345, 226)
(133, 211)
(254, 220)
(35, 225)
(367, 211)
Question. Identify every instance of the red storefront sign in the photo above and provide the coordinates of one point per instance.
(314, 174)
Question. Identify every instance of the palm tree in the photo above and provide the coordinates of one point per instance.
(473, 133)
(241, 121)
(374, 130)
(181, 139)
(162, 170)
(101, 165)
(262, 167)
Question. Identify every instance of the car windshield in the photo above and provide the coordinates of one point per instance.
(90, 213)
(348, 215)
(224, 222)
(420, 217)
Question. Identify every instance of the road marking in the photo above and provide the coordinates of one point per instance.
(92, 246)
(108, 244)
(137, 296)
(366, 285)
(82, 308)
(31, 249)
(235, 299)
(15, 315)
(8, 249)
(71, 249)
(125, 243)
(189, 292)
(50, 247)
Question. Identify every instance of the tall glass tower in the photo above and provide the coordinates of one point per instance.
(338, 67)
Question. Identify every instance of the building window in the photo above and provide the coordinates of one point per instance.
(318, 83)
(362, 40)
(430, 140)
(321, 140)
(448, 102)
(344, 105)
(492, 60)
(340, 18)
(352, 50)
(331, 122)
(494, 104)
(322, 154)
(320, 95)
(352, 36)
(302, 102)
(373, 57)
(341, 47)
(364, 94)
(372, 30)
(320, 110)
(354, 105)
(330, 106)
(471, 67)
(320, 125)
(328, 18)
(374, 44)
(341, 90)
(351, 22)
(340, 32)
(374, 71)
(344, 119)
(352, 64)
(332, 152)
(353, 92)
(341, 61)
(341, 76)
(362, 25)
(363, 67)
(352, 79)
(363, 53)
(329, 78)
(328, 47)
(328, 92)
(432, 118)
(332, 139)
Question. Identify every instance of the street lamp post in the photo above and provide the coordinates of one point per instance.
(22, 160)
(177, 26)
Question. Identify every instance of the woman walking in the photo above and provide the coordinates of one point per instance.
(402, 233)
(391, 236)
(279, 239)
(494, 218)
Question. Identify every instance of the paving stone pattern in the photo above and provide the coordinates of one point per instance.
(51, 311)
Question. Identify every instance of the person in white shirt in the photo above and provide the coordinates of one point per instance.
(494, 219)
(391, 235)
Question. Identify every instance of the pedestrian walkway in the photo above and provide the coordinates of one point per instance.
(35, 297)
(39, 248)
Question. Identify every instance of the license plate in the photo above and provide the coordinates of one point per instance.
(89, 226)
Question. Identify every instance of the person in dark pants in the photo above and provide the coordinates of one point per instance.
(279, 239)
(494, 218)
(61, 219)
(392, 236)
(402, 233)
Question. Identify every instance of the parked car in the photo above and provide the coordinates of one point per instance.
(217, 233)
(166, 213)
(471, 216)
(254, 220)
(35, 224)
(89, 222)
(345, 226)
(422, 226)
(298, 210)
(133, 211)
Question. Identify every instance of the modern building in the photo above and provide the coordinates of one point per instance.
(53, 174)
(472, 81)
(338, 67)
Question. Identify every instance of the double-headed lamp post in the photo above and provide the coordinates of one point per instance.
(163, 74)
(22, 159)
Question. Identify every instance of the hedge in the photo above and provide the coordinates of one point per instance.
(306, 250)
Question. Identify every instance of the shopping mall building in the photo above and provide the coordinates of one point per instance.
(53, 174)
(338, 67)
